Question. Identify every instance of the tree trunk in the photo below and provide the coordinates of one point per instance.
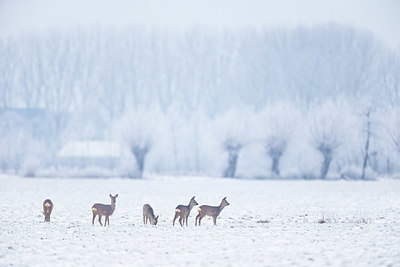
(325, 165)
(232, 162)
(275, 166)
(140, 164)
(366, 155)
(140, 157)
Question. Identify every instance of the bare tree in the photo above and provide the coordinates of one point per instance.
(395, 134)
(367, 142)
(396, 139)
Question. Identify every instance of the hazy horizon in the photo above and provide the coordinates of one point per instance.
(185, 87)
(380, 17)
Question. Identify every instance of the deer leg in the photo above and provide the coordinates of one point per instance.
(180, 220)
(195, 221)
(201, 217)
(94, 217)
(187, 219)
(176, 216)
(107, 220)
(215, 220)
(100, 220)
(144, 219)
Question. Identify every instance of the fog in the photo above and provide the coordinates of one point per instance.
(249, 90)
(381, 17)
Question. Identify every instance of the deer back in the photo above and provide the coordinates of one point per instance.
(209, 210)
(213, 210)
(182, 209)
(148, 211)
(47, 209)
(103, 209)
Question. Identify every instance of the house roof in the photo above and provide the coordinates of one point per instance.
(90, 149)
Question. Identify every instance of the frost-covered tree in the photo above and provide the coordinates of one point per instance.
(139, 147)
(327, 132)
(277, 124)
(233, 132)
(233, 147)
(275, 146)
(393, 127)
(20, 152)
(138, 131)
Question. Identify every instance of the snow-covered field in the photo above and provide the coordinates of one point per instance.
(362, 223)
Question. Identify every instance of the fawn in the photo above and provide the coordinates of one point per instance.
(148, 213)
(47, 209)
(211, 211)
(106, 210)
(184, 211)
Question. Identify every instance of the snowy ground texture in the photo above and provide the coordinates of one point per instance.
(362, 223)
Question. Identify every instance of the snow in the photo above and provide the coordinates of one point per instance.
(90, 149)
(362, 222)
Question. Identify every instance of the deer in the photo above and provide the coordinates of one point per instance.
(47, 209)
(205, 210)
(103, 209)
(148, 214)
(183, 212)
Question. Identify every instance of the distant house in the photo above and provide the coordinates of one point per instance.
(82, 154)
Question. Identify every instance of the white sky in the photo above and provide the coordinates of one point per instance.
(380, 16)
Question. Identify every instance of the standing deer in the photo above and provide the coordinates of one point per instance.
(106, 210)
(47, 209)
(184, 211)
(211, 211)
(148, 213)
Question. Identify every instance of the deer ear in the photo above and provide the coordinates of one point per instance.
(157, 217)
(193, 197)
(116, 195)
(110, 195)
(224, 198)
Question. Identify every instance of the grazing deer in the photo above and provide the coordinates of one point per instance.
(184, 211)
(47, 209)
(211, 211)
(148, 213)
(106, 210)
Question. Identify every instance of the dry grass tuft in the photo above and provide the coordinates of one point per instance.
(360, 220)
(263, 221)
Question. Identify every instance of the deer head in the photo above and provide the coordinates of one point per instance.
(224, 202)
(113, 198)
(154, 221)
(193, 202)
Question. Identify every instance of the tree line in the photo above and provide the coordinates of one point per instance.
(216, 102)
